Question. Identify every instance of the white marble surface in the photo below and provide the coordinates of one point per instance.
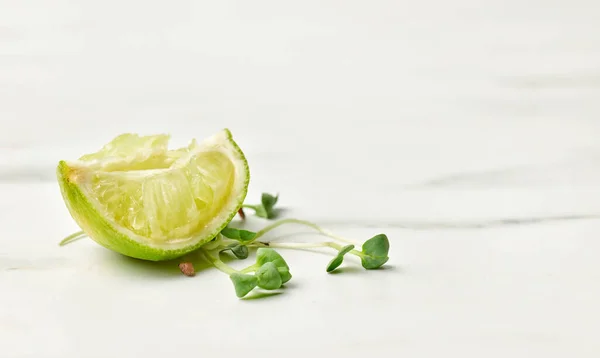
(465, 130)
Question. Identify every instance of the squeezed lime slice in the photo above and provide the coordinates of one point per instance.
(136, 197)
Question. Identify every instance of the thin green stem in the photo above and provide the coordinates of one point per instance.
(248, 206)
(216, 262)
(357, 253)
(250, 268)
(305, 223)
(73, 237)
(303, 246)
(298, 245)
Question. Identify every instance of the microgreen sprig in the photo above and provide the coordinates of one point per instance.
(271, 271)
(266, 208)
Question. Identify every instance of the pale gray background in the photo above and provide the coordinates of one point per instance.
(466, 130)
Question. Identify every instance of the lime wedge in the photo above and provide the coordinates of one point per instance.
(136, 197)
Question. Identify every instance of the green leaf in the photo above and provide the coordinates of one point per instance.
(375, 252)
(268, 202)
(238, 234)
(269, 277)
(264, 255)
(285, 274)
(243, 283)
(260, 211)
(337, 261)
(267, 207)
(238, 250)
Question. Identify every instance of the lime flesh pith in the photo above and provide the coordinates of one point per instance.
(137, 198)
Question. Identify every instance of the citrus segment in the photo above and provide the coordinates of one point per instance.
(136, 197)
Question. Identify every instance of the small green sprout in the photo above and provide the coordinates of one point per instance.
(268, 203)
(375, 252)
(266, 209)
(266, 255)
(339, 258)
(270, 270)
